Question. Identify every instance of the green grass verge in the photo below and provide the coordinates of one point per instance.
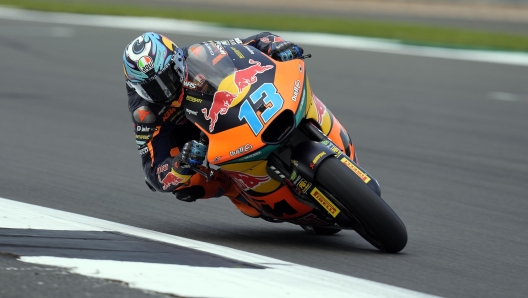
(408, 33)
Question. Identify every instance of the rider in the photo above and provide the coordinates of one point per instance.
(156, 77)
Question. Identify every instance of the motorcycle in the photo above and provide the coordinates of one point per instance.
(288, 155)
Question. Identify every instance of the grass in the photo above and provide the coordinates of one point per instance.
(408, 33)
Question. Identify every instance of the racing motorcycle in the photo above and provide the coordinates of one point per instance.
(288, 155)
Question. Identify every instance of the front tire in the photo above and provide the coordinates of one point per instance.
(376, 221)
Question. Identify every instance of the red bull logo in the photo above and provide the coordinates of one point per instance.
(245, 181)
(248, 76)
(170, 179)
(221, 102)
(319, 108)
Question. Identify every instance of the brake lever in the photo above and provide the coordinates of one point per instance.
(305, 56)
(199, 171)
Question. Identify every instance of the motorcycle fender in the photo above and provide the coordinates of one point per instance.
(307, 156)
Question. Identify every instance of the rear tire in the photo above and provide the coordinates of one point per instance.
(319, 230)
(378, 223)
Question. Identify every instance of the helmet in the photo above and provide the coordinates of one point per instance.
(154, 66)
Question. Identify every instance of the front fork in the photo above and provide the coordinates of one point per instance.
(304, 159)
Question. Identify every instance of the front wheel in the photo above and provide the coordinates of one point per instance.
(375, 220)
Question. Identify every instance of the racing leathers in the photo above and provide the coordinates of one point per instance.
(161, 132)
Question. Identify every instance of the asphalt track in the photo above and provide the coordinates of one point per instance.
(450, 157)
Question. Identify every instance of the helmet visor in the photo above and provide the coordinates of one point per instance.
(162, 88)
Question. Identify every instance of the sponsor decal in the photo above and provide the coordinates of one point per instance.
(222, 100)
(271, 38)
(300, 69)
(143, 113)
(145, 64)
(237, 41)
(325, 202)
(140, 128)
(193, 99)
(241, 150)
(225, 42)
(356, 170)
(295, 162)
(319, 108)
(336, 150)
(248, 76)
(143, 151)
(249, 50)
(189, 85)
(301, 104)
(195, 113)
(209, 48)
(316, 159)
(325, 142)
(293, 175)
(245, 181)
(297, 180)
(161, 111)
(143, 137)
(296, 89)
(304, 185)
(238, 53)
(220, 48)
(169, 179)
(162, 168)
(168, 114)
(252, 155)
(216, 159)
(199, 79)
(179, 117)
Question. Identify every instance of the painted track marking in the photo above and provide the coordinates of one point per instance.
(279, 279)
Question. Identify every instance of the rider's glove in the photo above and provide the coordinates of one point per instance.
(192, 155)
(285, 50)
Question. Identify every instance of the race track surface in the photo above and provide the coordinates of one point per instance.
(450, 156)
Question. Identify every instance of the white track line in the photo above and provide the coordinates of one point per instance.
(280, 279)
(316, 39)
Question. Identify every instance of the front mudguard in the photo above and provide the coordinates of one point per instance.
(308, 155)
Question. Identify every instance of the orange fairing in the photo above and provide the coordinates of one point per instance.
(289, 80)
(328, 123)
(264, 193)
(251, 177)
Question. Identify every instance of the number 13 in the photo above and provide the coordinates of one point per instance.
(270, 96)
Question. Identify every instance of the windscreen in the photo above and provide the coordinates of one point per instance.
(208, 63)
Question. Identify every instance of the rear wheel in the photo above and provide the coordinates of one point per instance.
(375, 220)
(319, 230)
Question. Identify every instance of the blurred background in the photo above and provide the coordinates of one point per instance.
(447, 139)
